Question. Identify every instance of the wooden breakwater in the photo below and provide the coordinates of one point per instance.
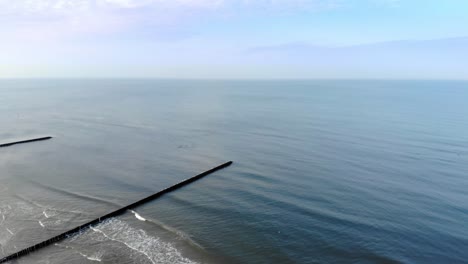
(24, 141)
(118, 212)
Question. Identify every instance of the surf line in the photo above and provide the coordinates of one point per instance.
(24, 141)
(81, 228)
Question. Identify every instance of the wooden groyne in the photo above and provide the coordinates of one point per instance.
(96, 221)
(24, 141)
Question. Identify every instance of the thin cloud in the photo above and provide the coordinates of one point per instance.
(39, 6)
(51, 20)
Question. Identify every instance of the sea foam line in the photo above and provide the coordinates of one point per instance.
(129, 246)
(45, 214)
(9, 231)
(152, 248)
(179, 233)
(92, 258)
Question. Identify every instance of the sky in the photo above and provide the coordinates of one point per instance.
(234, 39)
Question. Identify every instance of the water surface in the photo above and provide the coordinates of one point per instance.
(325, 171)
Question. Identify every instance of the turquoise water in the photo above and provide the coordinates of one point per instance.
(325, 171)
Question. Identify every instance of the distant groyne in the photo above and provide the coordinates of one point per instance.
(24, 141)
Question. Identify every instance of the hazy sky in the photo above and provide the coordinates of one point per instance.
(400, 39)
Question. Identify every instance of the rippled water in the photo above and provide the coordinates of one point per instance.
(325, 171)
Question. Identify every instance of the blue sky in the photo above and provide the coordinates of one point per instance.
(395, 39)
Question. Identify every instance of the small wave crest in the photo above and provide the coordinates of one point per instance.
(139, 217)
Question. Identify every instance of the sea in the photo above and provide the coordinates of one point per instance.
(325, 171)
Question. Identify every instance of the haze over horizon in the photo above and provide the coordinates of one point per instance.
(267, 39)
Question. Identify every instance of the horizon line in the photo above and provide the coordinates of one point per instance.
(230, 79)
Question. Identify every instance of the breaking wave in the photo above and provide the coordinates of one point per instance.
(143, 245)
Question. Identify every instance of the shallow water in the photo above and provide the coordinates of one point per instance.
(325, 171)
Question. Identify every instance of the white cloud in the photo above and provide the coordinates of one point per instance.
(48, 20)
(38, 6)
(35, 6)
(74, 6)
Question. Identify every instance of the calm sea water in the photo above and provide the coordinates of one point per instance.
(325, 171)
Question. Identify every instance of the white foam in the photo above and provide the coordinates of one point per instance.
(92, 258)
(41, 224)
(95, 257)
(9, 231)
(139, 217)
(137, 240)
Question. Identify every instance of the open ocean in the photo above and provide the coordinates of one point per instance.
(324, 171)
